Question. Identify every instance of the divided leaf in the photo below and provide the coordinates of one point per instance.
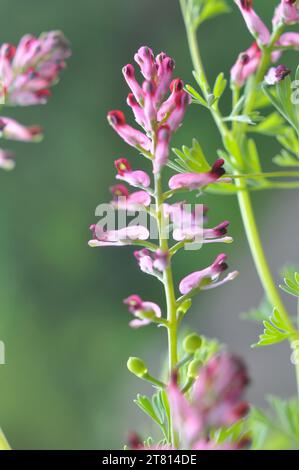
(276, 330)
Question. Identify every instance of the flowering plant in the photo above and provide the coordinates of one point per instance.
(199, 402)
(27, 72)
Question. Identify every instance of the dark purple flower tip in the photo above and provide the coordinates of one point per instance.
(149, 88)
(281, 72)
(220, 264)
(247, 4)
(129, 71)
(217, 168)
(134, 302)
(119, 190)
(221, 229)
(116, 118)
(134, 441)
(164, 133)
(176, 85)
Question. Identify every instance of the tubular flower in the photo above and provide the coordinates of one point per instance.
(246, 65)
(11, 129)
(121, 237)
(134, 178)
(216, 400)
(289, 40)
(287, 12)
(124, 200)
(254, 23)
(158, 114)
(207, 278)
(276, 74)
(144, 312)
(197, 180)
(152, 262)
(30, 69)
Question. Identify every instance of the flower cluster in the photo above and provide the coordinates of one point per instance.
(286, 13)
(26, 74)
(217, 400)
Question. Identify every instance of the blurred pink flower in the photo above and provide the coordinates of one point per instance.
(287, 12)
(121, 237)
(246, 65)
(134, 178)
(141, 309)
(276, 74)
(254, 23)
(122, 199)
(11, 129)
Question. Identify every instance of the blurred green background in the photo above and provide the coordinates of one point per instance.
(65, 384)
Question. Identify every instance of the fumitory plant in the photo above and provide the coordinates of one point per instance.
(27, 72)
(199, 402)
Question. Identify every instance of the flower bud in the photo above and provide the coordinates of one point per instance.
(136, 366)
(193, 368)
(191, 343)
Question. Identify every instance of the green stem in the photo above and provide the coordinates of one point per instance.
(3, 442)
(168, 288)
(297, 362)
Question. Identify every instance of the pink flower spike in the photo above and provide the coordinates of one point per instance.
(129, 74)
(162, 148)
(254, 23)
(193, 181)
(6, 160)
(206, 277)
(152, 262)
(287, 12)
(289, 40)
(121, 237)
(130, 135)
(11, 129)
(134, 178)
(246, 65)
(143, 311)
(276, 74)
(146, 61)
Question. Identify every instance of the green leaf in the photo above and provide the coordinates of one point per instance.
(192, 159)
(276, 330)
(279, 428)
(199, 11)
(271, 125)
(198, 99)
(263, 312)
(220, 86)
(291, 284)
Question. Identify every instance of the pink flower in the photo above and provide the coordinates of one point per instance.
(130, 135)
(165, 67)
(197, 180)
(134, 178)
(6, 160)
(276, 74)
(166, 108)
(146, 61)
(192, 231)
(11, 129)
(254, 23)
(246, 65)
(28, 70)
(182, 101)
(216, 400)
(218, 393)
(121, 237)
(129, 74)
(150, 109)
(124, 200)
(138, 111)
(289, 40)
(162, 148)
(153, 263)
(286, 12)
(143, 311)
(207, 278)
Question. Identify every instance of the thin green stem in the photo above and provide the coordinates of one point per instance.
(297, 362)
(169, 291)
